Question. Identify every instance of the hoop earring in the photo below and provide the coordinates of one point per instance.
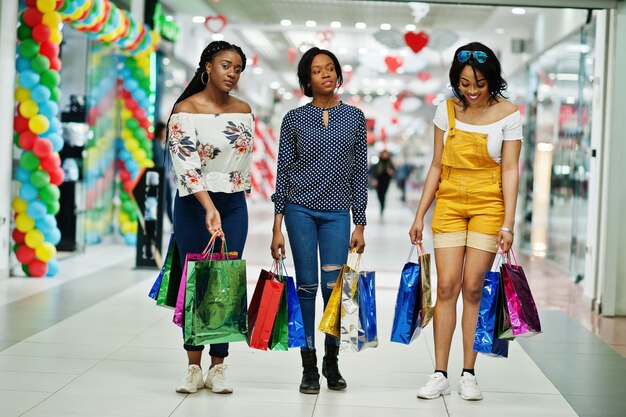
(208, 78)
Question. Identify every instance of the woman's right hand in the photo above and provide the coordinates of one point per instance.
(213, 222)
(278, 245)
(415, 233)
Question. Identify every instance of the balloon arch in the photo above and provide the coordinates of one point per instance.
(37, 127)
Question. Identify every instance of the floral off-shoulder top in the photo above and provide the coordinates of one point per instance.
(211, 152)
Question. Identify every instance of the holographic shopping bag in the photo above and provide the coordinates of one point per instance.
(522, 310)
(331, 318)
(407, 324)
(486, 338)
(170, 275)
(368, 330)
(215, 302)
(280, 331)
(295, 322)
(263, 309)
(426, 313)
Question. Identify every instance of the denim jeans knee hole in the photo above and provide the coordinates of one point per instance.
(307, 291)
(329, 268)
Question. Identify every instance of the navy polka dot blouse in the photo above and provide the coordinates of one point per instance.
(323, 168)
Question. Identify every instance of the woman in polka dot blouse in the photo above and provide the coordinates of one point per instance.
(321, 176)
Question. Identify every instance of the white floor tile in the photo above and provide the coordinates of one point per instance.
(381, 396)
(355, 411)
(33, 381)
(210, 404)
(510, 405)
(14, 403)
(47, 365)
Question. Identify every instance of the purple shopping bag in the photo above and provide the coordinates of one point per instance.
(523, 314)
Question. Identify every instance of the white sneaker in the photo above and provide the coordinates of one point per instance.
(193, 380)
(468, 388)
(216, 380)
(436, 386)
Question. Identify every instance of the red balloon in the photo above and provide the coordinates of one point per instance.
(32, 17)
(55, 64)
(20, 124)
(128, 186)
(150, 135)
(50, 163)
(145, 123)
(49, 49)
(131, 104)
(41, 33)
(24, 254)
(37, 268)
(57, 176)
(18, 237)
(139, 113)
(27, 140)
(42, 148)
(84, 15)
(124, 176)
(59, 4)
(31, 3)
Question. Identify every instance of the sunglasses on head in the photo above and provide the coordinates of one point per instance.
(479, 56)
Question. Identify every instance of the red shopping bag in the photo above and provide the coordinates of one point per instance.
(263, 309)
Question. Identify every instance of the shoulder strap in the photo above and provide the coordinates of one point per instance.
(450, 103)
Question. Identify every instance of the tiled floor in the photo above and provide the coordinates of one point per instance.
(91, 343)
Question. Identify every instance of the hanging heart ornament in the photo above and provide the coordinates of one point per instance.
(215, 23)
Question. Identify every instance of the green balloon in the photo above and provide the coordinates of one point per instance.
(130, 64)
(132, 215)
(16, 139)
(132, 124)
(50, 78)
(24, 32)
(25, 269)
(28, 48)
(55, 94)
(124, 197)
(53, 207)
(49, 193)
(127, 206)
(39, 178)
(29, 161)
(40, 63)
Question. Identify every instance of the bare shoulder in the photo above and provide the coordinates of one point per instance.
(185, 106)
(506, 108)
(240, 106)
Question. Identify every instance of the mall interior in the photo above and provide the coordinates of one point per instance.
(84, 228)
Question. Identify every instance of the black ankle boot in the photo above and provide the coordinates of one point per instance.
(310, 376)
(330, 369)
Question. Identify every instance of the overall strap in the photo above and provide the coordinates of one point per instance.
(451, 125)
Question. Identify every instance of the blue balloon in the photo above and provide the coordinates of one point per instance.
(28, 191)
(36, 209)
(53, 236)
(49, 109)
(40, 94)
(22, 175)
(53, 268)
(22, 64)
(130, 84)
(28, 79)
(130, 239)
(46, 223)
(55, 123)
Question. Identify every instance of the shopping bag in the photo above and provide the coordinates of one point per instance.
(522, 310)
(503, 322)
(331, 318)
(154, 291)
(407, 324)
(426, 313)
(486, 337)
(215, 301)
(295, 322)
(171, 273)
(368, 331)
(264, 308)
(280, 331)
(206, 255)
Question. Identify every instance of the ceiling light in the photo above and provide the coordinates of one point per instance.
(303, 48)
(380, 91)
(274, 85)
(347, 68)
(500, 31)
(335, 25)
(518, 10)
(363, 51)
(367, 98)
(198, 19)
(385, 26)
(360, 25)
(311, 23)
(410, 28)
(217, 37)
(285, 22)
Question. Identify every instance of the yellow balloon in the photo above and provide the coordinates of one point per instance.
(149, 163)
(45, 251)
(33, 238)
(127, 227)
(19, 205)
(132, 145)
(56, 36)
(139, 155)
(46, 6)
(24, 223)
(52, 20)
(38, 124)
(22, 94)
(28, 108)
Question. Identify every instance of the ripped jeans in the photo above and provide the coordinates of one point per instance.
(307, 230)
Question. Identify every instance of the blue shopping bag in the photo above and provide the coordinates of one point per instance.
(295, 323)
(491, 305)
(406, 320)
(368, 333)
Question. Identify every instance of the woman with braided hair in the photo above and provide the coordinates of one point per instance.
(210, 137)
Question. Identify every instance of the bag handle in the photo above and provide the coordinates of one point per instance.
(206, 253)
(420, 252)
(497, 261)
(354, 260)
(508, 259)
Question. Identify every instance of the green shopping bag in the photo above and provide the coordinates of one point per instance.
(216, 307)
(171, 273)
(280, 331)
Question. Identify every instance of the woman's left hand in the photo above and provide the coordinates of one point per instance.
(357, 241)
(505, 240)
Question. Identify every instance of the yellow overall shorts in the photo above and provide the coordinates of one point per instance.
(469, 210)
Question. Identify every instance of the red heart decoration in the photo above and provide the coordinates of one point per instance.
(215, 23)
(416, 41)
(423, 76)
(393, 63)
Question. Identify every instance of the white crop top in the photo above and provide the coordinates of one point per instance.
(508, 128)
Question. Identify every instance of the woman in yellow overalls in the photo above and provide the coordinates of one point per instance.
(474, 177)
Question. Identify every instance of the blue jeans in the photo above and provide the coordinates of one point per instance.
(307, 229)
(192, 235)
